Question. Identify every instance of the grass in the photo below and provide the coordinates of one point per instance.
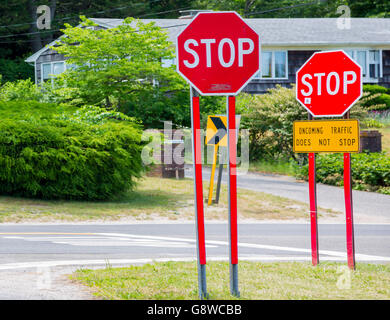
(385, 131)
(284, 280)
(273, 167)
(384, 119)
(154, 198)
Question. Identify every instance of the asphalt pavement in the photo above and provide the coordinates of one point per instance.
(367, 206)
(35, 260)
(24, 245)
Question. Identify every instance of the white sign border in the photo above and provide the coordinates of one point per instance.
(224, 93)
(329, 115)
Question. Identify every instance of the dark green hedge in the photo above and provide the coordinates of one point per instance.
(67, 158)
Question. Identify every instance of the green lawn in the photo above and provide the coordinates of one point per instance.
(385, 138)
(285, 280)
(154, 198)
(273, 167)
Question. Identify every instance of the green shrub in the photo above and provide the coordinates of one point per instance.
(20, 90)
(15, 69)
(375, 97)
(371, 123)
(370, 171)
(68, 156)
(19, 110)
(153, 107)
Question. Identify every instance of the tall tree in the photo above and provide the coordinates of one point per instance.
(112, 64)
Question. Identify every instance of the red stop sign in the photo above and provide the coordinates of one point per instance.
(218, 53)
(329, 83)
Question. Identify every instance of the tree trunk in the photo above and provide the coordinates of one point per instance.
(53, 6)
(36, 41)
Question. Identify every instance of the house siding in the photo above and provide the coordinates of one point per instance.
(296, 58)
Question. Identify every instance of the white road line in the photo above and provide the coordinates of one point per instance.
(109, 239)
(358, 256)
(112, 240)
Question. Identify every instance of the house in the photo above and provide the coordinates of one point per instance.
(285, 43)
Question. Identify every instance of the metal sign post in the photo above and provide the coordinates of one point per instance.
(349, 208)
(232, 191)
(313, 206)
(320, 99)
(218, 53)
(198, 190)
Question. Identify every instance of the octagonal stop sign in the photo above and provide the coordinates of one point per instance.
(329, 83)
(218, 53)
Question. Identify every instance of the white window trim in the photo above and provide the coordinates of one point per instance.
(260, 76)
(51, 69)
(367, 79)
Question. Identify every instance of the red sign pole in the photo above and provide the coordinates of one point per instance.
(349, 208)
(232, 186)
(313, 206)
(198, 190)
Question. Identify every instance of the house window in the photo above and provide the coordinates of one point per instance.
(280, 62)
(266, 65)
(273, 65)
(370, 61)
(46, 71)
(58, 68)
(52, 69)
(373, 64)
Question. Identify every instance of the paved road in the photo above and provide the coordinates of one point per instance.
(34, 259)
(21, 245)
(368, 206)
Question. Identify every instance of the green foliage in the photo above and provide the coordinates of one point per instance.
(154, 107)
(112, 65)
(298, 8)
(87, 155)
(20, 110)
(270, 117)
(20, 90)
(370, 171)
(371, 123)
(13, 70)
(375, 98)
(96, 115)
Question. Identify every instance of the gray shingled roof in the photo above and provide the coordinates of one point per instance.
(287, 32)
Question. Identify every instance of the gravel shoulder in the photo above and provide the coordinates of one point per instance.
(42, 284)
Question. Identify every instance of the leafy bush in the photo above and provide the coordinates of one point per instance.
(270, 117)
(375, 97)
(15, 69)
(370, 171)
(20, 90)
(69, 156)
(371, 123)
(20, 110)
